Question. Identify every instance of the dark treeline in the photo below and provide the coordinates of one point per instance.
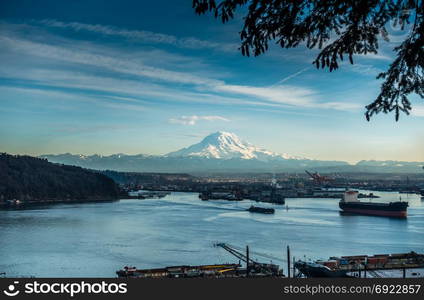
(147, 178)
(31, 179)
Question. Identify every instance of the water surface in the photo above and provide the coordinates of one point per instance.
(96, 239)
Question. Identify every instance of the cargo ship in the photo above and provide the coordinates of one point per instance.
(261, 210)
(360, 265)
(351, 204)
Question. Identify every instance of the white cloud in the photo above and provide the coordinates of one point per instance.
(192, 120)
(284, 95)
(346, 106)
(143, 35)
(365, 69)
(124, 75)
(289, 95)
(113, 63)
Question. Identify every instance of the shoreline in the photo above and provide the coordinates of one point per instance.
(5, 206)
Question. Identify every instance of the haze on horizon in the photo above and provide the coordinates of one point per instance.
(153, 80)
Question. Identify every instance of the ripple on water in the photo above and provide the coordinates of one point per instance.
(96, 239)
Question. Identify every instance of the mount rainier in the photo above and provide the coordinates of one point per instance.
(226, 145)
(223, 152)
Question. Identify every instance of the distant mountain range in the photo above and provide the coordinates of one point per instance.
(226, 152)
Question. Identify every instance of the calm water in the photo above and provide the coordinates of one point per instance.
(96, 239)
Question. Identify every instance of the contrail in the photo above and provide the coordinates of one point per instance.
(291, 76)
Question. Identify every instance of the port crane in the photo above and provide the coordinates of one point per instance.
(318, 178)
(252, 266)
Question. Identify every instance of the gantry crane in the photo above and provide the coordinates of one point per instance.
(252, 266)
(318, 178)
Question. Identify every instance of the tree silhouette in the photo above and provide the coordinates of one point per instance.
(32, 179)
(356, 26)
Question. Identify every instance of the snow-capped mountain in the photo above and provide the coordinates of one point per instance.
(226, 145)
(225, 152)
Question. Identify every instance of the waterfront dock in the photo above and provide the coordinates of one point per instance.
(399, 265)
(252, 268)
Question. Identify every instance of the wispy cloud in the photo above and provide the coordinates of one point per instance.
(286, 95)
(345, 106)
(279, 94)
(69, 97)
(192, 120)
(78, 65)
(365, 69)
(418, 111)
(376, 56)
(122, 65)
(143, 35)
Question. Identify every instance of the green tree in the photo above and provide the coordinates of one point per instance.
(339, 29)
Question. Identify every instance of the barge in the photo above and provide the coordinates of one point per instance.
(252, 268)
(230, 196)
(221, 270)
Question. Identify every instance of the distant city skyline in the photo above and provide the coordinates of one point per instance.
(131, 77)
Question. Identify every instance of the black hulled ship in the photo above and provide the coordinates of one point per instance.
(351, 204)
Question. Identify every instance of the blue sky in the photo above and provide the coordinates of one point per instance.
(141, 77)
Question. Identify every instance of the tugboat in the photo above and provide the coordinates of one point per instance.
(261, 210)
(351, 204)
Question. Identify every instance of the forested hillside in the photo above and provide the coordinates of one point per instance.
(147, 178)
(31, 179)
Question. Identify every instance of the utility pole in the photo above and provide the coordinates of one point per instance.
(288, 261)
(365, 267)
(247, 262)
